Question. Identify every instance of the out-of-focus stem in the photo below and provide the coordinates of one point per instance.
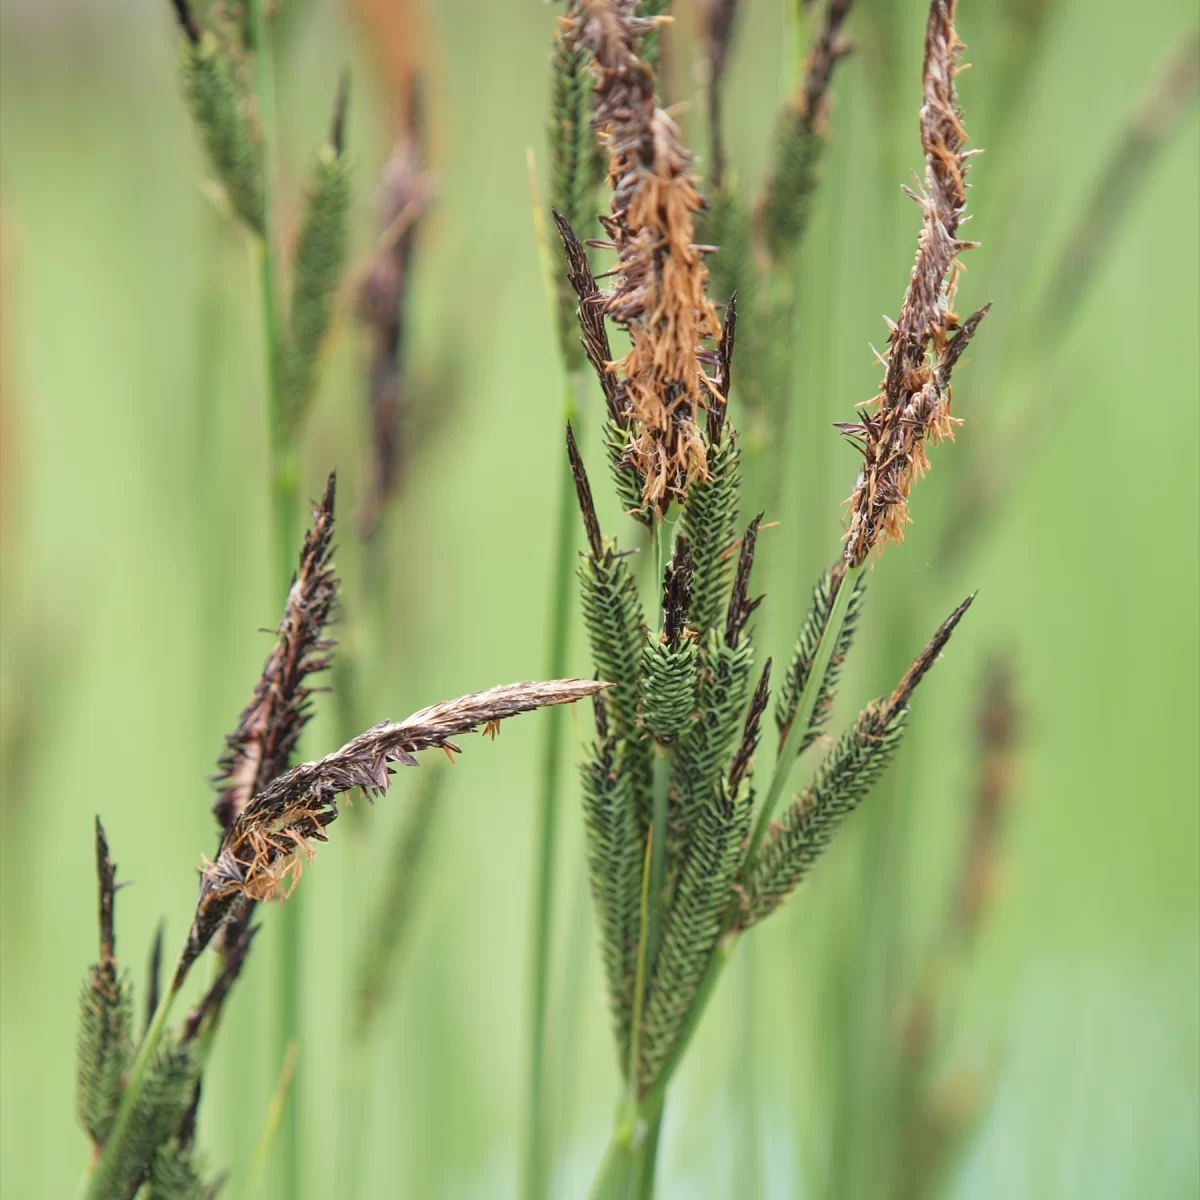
(536, 1161)
(284, 492)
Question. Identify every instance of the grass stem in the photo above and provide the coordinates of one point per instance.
(284, 494)
(536, 1165)
(804, 708)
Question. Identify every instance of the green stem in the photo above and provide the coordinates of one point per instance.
(284, 494)
(804, 709)
(535, 1171)
(102, 1181)
(645, 1160)
(639, 980)
(272, 1122)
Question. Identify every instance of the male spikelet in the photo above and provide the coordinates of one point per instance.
(660, 297)
(913, 404)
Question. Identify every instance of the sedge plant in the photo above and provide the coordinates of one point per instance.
(683, 854)
(138, 1094)
(227, 71)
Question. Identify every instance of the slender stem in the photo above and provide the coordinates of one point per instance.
(535, 1171)
(639, 981)
(102, 1182)
(271, 1122)
(645, 1160)
(284, 494)
(804, 708)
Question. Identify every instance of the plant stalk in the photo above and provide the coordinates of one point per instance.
(804, 709)
(536, 1167)
(284, 479)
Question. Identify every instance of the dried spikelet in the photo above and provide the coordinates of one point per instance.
(750, 730)
(105, 1043)
(914, 403)
(222, 111)
(383, 305)
(317, 267)
(267, 731)
(260, 854)
(842, 781)
(660, 296)
(786, 201)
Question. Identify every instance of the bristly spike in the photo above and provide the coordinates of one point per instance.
(154, 973)
(913, 404)
(187, 22)
(741, 606)
(840, 783)
(104, 1045)
(805, 652)
(337, 125)
(751, 730)
(260, 854)
(583, 492)
(912, 677)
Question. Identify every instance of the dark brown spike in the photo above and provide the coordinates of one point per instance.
(921, 664)
(260, 854)
(958, 343)
(260, 747)
(154, 974)
(341, 101)
(106, 878)
(718, 405)
(677, 592)
(236, 950)
(583, 492)
(751, 731)
(600, 715)
(591, 317)
(187, 22)
(741, 606)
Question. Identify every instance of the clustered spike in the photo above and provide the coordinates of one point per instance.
(271, 723)
(140, 1108)
(660, 297)
(914, 403)
(680, 720)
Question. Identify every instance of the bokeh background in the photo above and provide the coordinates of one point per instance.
(137, 575)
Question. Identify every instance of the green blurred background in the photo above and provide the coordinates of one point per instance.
(136, 574)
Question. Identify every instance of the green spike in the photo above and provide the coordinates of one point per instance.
(571, 188)
(701, 898)
(668, 688)
(723, 674)
(104, 1047)
(615, 854)
(220, 108)
(804, 653)
(710, 524)
(791, 182)
(316, 275)
(841, 782)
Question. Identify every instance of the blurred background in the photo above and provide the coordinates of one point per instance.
(1059, 1052)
